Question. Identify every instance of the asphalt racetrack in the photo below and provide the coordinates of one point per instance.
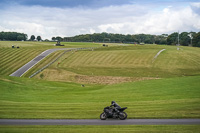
(99, 122)
(38, 58)
(33, 62)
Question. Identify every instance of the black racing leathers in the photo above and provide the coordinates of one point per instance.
(116, 107)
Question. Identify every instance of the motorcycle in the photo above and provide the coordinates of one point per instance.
(111, 113)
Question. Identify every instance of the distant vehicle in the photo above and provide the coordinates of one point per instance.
(110, 112)
(104, 45)
(58, 44)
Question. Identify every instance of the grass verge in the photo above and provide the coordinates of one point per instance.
(102, 129)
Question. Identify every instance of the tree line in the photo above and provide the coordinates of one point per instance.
(32, 38)
(115, 38)
(184, 38)
(15, 36)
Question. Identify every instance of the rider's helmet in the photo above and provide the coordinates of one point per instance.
(112, 102)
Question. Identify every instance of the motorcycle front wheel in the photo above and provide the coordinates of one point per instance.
(122, 115)
(103, 116)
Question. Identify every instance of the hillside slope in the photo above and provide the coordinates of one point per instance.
(12, 59)
(124, 64)
(162, 98)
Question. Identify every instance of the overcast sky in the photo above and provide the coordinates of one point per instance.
(49, 18)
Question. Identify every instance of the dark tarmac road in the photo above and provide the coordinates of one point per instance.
(99, 122)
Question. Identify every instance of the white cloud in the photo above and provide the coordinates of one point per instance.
(196, 4)
(125, 19)
(170, 19)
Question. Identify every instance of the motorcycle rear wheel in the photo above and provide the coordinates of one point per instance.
(103, 116)
(122, 115)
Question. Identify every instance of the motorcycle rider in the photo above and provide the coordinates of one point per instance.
(116, 106)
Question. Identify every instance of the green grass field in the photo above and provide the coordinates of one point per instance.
(163, 98)
(12, 59)
(165, 88)
(161, 89)
(124, 64)
(104, 129)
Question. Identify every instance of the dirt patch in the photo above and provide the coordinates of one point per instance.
(107, 79)
(66, 76)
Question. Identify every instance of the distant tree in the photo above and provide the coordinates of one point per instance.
(20, 38)
(128, 38)
(46, 40)
(172, 39)
(39, 38)
(191, 35)
(165, 35)
(161, 39)
(196, 40)
(32, 38)
(25, 37)
(139, 38)
(184, 39)
(148, 41)
(1, 35)
(59, 38)
(53, 38)
(12, 36)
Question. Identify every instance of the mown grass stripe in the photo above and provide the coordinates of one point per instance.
(15, 57)
(24, 60)
(16, 60)
(15, 54)
(8, 63)
(10, 56)
(4, 52)
(106, 59)
(84, 58)
(98, 58)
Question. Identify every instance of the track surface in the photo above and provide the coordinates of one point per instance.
(99, 122)
(33, 62)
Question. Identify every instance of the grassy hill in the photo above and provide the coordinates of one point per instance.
(12, 59)
(103, 65)
(167, 87)
(162, 98)
(124, 64)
